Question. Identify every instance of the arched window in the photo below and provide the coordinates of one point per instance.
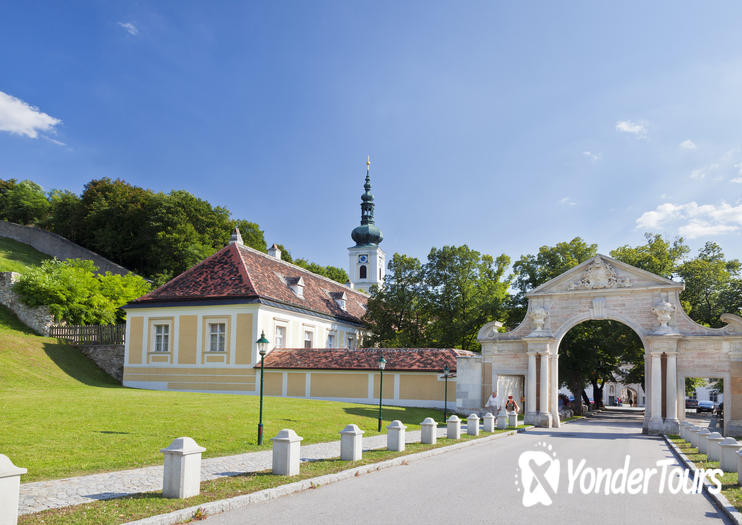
(362, 271)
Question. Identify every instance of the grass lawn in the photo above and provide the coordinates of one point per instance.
(139, 506)
(16, 256)
(729, 487)
(62, 416)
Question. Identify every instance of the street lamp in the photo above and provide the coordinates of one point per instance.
(262, 346)
(446, 375)
(382, 364)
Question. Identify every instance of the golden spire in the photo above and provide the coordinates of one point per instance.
(368, 163)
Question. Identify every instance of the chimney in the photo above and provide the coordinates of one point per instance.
(349, 284)
(236, 237)
(273, 251)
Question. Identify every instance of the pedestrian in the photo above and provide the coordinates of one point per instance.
(493, 402)
(511, 405)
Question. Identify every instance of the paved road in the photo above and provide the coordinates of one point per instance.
(477, 485)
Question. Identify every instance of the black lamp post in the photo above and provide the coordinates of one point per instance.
(446, 375)
(262, 346)
(382, 364)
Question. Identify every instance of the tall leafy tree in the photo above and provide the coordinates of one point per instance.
(658, 255)
(26, 203)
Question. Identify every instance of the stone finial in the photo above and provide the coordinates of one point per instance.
(453, 427)
(10, 484)
(472, 425)
(395, 436)
(236, 237)
(351, 443)
(182, 469)
(286, 453)
(428, 431)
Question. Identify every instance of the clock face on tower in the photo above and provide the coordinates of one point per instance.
(363, 259)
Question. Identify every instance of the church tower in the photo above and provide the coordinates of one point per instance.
(367, 266)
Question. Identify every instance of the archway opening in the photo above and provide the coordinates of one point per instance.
(601, 364)
(704, 401)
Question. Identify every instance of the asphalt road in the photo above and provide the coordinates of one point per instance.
(483, 484)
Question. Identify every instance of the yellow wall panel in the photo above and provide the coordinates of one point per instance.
(245, 339)
(238, 387)
(135, 340)
(425, 387)
(273, 385)
(339, 385)
(187, 339)
(296, 384)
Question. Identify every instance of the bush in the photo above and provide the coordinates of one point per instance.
(75, 293)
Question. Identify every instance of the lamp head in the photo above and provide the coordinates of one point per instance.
(382, 363)
(262, 344)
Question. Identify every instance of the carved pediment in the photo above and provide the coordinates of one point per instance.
(602, 273)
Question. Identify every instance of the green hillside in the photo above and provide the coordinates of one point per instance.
(62, 416)
(16, 256)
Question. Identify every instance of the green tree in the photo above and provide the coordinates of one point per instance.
(251, 233)
(26, 203)
(331, 272)
(659, 256)
(65, 215)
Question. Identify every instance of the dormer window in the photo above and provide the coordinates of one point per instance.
(297, 285)
(340, 299)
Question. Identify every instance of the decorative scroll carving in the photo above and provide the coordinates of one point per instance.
(600, 274)
(664, 312)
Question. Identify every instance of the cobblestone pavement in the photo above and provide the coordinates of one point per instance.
(42, 495)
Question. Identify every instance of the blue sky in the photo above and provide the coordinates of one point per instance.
(503, 125)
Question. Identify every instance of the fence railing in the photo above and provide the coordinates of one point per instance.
(90, 335)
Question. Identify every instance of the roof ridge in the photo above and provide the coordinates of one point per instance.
(243, 269)
(291, 265)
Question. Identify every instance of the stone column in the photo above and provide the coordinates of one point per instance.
(655, 418)
(531, 411)
(554, 390)
(671, 421)
(544, 416)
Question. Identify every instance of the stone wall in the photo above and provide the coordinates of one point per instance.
(56, 246)
(109, 358)
(38, 318)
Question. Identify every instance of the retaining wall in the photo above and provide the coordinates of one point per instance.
(37, 318)
(109, 358)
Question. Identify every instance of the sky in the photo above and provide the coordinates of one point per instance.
(502, 125)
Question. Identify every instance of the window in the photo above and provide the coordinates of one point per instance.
(308, 336)
(280, 338)
(330, 340)
(217, 334)
(162, 338)
(351, 341)
(362, 271)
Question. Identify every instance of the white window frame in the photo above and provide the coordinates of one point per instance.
(311, 338)
(276, 328)
(210, 334)
(166, 325)
(333, 336)
(351, 342)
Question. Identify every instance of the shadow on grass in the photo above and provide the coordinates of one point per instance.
(9, 320)
(71, 361)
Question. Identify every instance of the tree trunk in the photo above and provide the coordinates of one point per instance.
(585, 398)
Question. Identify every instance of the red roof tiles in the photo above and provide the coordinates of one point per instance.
(237, 271)
(397, 359)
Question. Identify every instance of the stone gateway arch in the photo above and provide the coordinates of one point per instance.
(525, 361)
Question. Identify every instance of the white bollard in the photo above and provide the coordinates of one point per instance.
(502, 420)
(10, 486)
(513, 419)
(395, 436)
(181, 476)
(693, 435)
(489, 422)
(683, 429)
(713, 446)
(702, 442)
(729, 448)
(286, 453)
(472, 425)
(453, 427)
(351, 443)
(428, 431)
(739, 467)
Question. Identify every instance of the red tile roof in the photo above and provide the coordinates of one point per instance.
(397, 359)
(240, 272)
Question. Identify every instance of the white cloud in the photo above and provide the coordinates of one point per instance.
(701, 173)
(19, 118)
(592, 156)
(638, 129)
(130, 28)
(693, 220)
(566, 201)
(737, 180)
(688, 144)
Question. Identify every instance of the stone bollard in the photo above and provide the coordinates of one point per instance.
(702, 442)
(10, 486)
(472, 425)
(693, 431)
(489, 422)
(713, 446)
(453, 427)
(502, 420)
(181, 476)
(286, 453)
(683, 430)
(739, 467)
(351, 443)
(729, 447)
(428, 431)
(513, 419)
(395, 436)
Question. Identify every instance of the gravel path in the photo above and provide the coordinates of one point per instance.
(42, 495)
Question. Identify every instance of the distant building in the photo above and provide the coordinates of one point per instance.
(366, 259)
